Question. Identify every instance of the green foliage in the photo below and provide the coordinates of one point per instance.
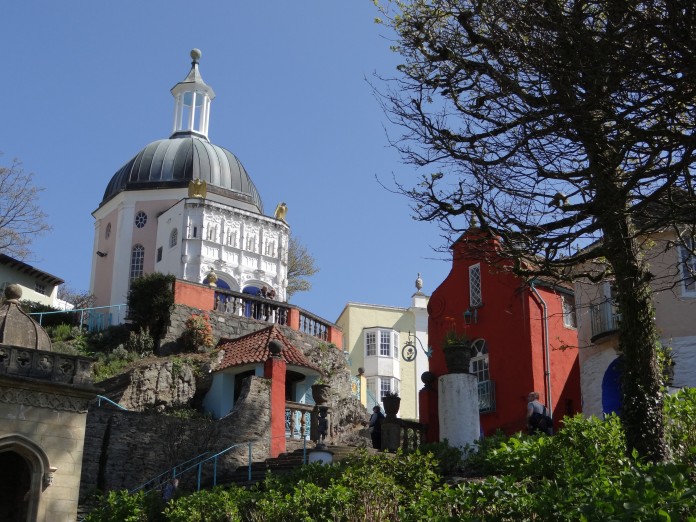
(140, 342)
(119, 506)
(61, 332)
(150, 301)
(680, 425)
(108, 339)
(111, 364)
(580, 474)
(448, 458)
(215, 505)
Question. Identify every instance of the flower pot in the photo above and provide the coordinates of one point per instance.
(457, 357)
(320, 393)
(391, 405)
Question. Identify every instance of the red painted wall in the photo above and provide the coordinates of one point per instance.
(274, 369)
(194, 295)
(511, 322)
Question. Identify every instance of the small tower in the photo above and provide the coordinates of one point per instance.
(192, 105)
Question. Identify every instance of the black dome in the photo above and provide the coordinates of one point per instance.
(175, 161)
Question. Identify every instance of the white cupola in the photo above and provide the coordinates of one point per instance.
(192, 102)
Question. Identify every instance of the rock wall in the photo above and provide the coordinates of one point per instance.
(124, 449)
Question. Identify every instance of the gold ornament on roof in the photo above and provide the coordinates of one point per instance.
(281, 210)
(197, 188)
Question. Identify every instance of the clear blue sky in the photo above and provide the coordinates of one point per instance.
(87, 86)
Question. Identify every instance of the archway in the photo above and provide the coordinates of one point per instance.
(611, 387)
(15, 487)
(25, 466)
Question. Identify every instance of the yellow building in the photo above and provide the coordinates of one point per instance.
(388, 346)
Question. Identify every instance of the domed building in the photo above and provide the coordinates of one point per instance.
(186, 207)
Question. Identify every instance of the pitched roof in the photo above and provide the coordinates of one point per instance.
(253, 348)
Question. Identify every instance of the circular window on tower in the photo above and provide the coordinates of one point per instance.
(107, 235)
(140, 219)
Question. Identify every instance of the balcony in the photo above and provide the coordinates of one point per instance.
(604, 319)
(486, 395)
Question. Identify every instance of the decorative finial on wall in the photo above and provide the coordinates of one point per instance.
(419, 282)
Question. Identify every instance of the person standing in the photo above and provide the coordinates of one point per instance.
(537, 418)
(376, 427)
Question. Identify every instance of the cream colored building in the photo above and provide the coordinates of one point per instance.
(43, 407)
(389, 345)
(37, 285)
(674, 287)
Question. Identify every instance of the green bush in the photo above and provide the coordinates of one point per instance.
(580, 474)
(150, 301)
(140, 342)
(680, 425)
(448, 458)
(119, 506)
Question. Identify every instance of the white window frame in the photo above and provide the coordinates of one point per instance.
(381, 342)
(475, 289)
(137, 262)
(568, 307)
(479, 363)
(370, 344)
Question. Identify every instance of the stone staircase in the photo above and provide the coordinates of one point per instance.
(286, 462)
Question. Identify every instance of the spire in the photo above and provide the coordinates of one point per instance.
(192, 102)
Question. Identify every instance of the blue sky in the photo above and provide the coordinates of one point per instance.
(87, 86)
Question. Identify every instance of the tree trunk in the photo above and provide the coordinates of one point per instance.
(641, 414)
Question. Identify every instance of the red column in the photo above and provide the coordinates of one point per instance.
(427, 401)
(274, 369)
(294, 319)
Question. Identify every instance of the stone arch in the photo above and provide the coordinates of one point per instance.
(26, 463)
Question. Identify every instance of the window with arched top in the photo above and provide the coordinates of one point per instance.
(479, 360)
(137, 261)
(173, 238)
(107, 234)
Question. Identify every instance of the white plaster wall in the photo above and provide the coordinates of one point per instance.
(591, 375)
(684, 357)
(458, 408)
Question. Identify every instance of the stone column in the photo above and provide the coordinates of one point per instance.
(458, 409)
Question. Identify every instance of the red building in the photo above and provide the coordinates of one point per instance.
(523, 337)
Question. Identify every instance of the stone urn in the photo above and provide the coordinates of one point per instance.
(391, 405)
(457, 357)
(320, 393)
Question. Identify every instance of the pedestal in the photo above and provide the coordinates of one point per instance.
(458, 409)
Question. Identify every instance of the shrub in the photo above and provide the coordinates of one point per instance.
(140, 342)
(119, 506)
(150, 301)
(198, 331)
(680, 420)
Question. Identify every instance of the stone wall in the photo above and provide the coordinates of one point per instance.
(45, 423)
(124, 449)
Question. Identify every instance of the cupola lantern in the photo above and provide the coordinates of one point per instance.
(192, 102)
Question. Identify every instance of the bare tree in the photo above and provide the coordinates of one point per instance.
(301, 265)
(77, 298)
(567, 128)
(21, 218)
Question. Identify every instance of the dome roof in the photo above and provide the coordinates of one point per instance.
(174, 162)
(17, 328)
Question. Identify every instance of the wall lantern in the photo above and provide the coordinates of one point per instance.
(471, 317)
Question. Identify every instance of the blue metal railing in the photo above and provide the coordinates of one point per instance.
(159, 479)
(94, 320)
(101, 398)
(371, 400)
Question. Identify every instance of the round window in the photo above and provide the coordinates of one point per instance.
(140, 219)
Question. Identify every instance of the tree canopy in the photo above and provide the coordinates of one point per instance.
(567, 128)
(21, 218)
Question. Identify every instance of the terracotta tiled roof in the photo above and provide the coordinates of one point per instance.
(253, 348)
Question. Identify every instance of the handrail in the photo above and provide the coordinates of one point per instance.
(102, 398)
(172, 472)
(214, 457)
(82, 313)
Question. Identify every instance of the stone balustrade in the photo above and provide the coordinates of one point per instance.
(48, 366)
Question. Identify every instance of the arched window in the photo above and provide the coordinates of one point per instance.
(479, 361)
(137, 261)
(173, 238)
(107, 234)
